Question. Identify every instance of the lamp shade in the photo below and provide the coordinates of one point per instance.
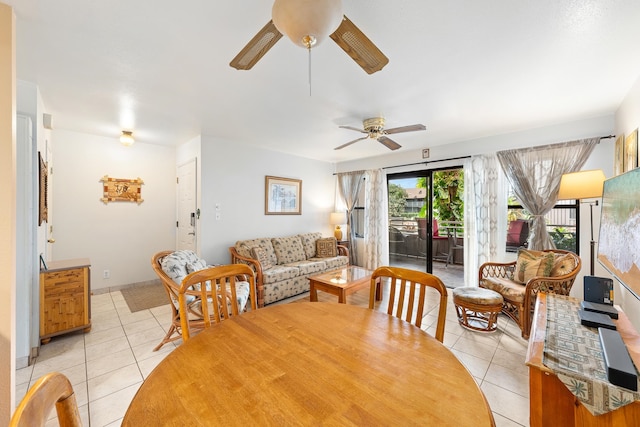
(307, 22)
(581, 185)
(338, 218)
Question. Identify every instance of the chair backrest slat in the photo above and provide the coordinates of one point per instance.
(398, 279)
(216, 295)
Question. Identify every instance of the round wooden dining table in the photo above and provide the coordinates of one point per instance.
(310, 364)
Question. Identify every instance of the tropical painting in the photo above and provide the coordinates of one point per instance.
(619, 245)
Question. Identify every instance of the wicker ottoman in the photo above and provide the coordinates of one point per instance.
(477, 308)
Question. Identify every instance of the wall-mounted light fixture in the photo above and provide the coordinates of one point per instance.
(126, 138)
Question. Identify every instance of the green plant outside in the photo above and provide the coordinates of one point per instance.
(397, 200)
(445, 184)
(563, 239)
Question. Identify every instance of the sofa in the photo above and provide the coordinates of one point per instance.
(283, 264)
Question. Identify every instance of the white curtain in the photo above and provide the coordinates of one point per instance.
(376, 220)
(485, 216)
(534, 174)
(349, 186)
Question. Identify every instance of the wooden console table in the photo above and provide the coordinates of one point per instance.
(551, 402)
(65, 298)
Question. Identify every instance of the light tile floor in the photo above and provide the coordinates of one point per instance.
(107, 365)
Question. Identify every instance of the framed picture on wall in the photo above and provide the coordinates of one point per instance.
(618, 165)
(282, 196)
(631, 151)
(121, 190)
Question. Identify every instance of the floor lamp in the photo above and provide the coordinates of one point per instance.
(583, 185)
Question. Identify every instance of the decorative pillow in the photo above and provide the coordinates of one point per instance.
(260, 254)
(531, 264)
(198, 265)
(326, 247)
(563, 264)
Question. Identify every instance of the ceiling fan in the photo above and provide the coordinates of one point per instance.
(374, 128)
(307, 23)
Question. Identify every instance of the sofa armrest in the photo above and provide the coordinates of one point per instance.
(342, 250)
(236, 258)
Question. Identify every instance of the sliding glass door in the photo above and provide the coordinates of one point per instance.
(426, 222)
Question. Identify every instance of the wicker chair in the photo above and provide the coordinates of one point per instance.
(174, 332)
(520, 299)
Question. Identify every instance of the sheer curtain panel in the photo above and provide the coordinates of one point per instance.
(349, 186)
(485, 216)
(534, 173)
(376, 220)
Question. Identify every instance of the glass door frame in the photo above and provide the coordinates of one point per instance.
(428, 175)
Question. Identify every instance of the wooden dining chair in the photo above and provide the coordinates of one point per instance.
(225, 288)
(53, 389)
(405, 287)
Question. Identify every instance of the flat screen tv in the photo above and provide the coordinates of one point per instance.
(619, 242)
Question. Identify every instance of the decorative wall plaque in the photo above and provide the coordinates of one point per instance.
(121, 190)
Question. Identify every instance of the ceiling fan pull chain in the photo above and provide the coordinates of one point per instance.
(309, 49)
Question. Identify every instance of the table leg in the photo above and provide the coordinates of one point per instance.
(313, 292)
(342, 297)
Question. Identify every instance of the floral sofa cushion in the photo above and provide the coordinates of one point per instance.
(309, 243)
(288, 249)
(280, 272)
(244, 248)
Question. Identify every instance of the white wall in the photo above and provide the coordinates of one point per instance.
(597, 126)
(119, 236)
(233, 175)
(628, 119)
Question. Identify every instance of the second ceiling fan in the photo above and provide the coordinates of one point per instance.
(307, 23)
(374, 128)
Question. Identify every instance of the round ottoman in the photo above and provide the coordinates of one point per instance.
(477, 308)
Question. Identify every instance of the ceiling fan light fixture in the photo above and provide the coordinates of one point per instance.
(307, 22)
(126, 138)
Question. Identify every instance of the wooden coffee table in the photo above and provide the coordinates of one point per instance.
(340, 282)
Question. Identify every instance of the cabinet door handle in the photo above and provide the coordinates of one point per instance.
(51, 240)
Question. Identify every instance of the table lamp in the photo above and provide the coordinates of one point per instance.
(583, 185)
(337, 219)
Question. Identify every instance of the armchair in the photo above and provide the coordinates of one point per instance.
(551, 271)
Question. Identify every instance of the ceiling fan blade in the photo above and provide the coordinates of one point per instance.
(389, 143)
(410, 128)
(359, 47)
(352, 128)
(350, 142)
(257, 47)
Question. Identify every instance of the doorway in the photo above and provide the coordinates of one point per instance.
(426, 222)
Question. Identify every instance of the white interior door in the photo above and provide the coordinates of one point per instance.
(188, 213)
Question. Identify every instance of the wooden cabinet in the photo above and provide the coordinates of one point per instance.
(551, 403)
(65, 298)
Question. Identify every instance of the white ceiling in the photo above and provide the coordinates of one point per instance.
(465, 69)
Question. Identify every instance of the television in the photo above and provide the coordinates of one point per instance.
(619, 242)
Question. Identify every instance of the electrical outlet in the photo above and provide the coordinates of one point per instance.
(218, 216)
(106, 274)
